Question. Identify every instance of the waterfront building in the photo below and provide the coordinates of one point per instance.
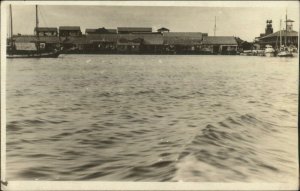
(129, 43)
(183, 42)
(74, 43)
(152, 43)
(65, 31)
(45, 31)
(102, 42)
(130, 30)
(219, 45)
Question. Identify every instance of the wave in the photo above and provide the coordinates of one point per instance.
(227, 150)
(24, 124)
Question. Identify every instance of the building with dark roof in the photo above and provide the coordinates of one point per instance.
(128, 30)
(220, 44)
(65, 31)
(219, 40)
(46, 31)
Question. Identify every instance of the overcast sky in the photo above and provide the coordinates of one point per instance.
(245, 22)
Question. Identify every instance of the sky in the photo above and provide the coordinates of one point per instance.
(240, 20)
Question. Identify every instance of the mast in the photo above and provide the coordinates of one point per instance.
(280, 34)
(215, 28)
(36, 20)
(285, 36)
(36, 27)
(11, 22)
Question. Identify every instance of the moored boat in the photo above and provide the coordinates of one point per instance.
(285, 53)
(269, 51)
(53, 54)
(30, 50)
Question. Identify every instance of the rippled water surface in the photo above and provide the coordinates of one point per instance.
(152, 118)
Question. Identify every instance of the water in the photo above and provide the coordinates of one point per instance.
(152, 118)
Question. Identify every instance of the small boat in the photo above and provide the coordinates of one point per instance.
(285, 53)
(34, 52)
(269, 51)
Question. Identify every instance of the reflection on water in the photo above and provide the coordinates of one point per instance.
(152, 118)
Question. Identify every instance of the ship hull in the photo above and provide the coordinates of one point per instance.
(34, 55)
(285, 54)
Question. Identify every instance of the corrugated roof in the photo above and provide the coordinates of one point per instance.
(283, 33)
(219, 40)
(46, 29)
(182, 38)
(134, 29)
(69, 28)
(32, 38)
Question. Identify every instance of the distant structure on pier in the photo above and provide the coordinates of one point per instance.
(269, 28)
(287, 35)
(163, 29)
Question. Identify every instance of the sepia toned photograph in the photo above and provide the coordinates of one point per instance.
(182, 94)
